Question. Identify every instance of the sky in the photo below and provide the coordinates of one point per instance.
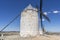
(10, 8)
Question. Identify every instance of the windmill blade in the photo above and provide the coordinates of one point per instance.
(46, 17)
(41, 5)
(43, 28)
(41, 10)
(11, 22)
(41, 14)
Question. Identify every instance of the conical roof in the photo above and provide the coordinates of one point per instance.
(30, 7)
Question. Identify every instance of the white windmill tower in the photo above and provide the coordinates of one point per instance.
(29, 22)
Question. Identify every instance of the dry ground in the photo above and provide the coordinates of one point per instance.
(40, 37)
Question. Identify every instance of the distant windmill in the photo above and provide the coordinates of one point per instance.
(42, 15)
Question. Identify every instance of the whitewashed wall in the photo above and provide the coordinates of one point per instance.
(29, 22)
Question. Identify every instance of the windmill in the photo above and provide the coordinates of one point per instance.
(41, 16)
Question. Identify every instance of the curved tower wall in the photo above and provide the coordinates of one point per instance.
(29, 22)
